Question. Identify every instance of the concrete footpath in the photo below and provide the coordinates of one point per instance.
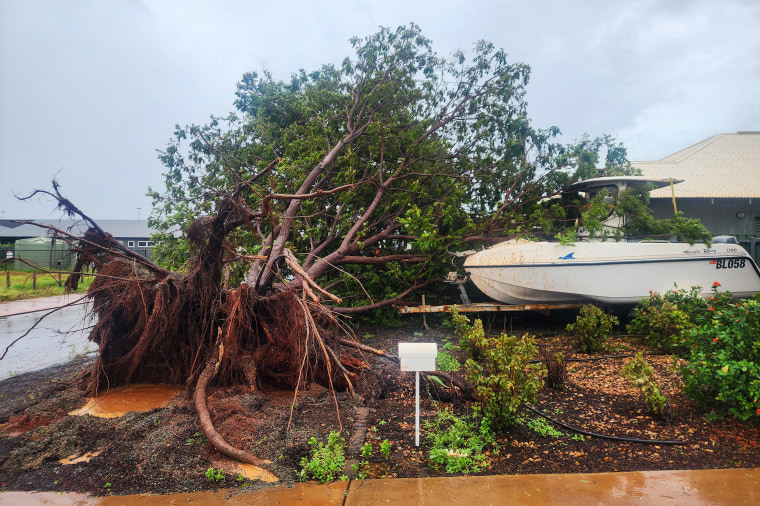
(704, 487)
(40, 304)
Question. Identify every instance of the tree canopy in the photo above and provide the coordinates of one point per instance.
(369, 174)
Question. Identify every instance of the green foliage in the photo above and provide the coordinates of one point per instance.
(459, 443)
(214, 475)
(591, 329)
(660, 322)
(723, 367)
(385, 449)
(663, 320)
(327, 460)
(567, 238)
(405, 154)
(541, 426)
(366, 450)
(501, 369)
(446, 362)
(641, 375)
(197, 438)
(21, 285)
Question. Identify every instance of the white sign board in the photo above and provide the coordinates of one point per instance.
(417, 356)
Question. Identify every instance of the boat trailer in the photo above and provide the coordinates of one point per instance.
(486, 307)
(468, 307)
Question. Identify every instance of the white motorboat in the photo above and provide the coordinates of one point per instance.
(609, 272)
(525, 272)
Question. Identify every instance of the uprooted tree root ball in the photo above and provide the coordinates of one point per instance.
(158, 326)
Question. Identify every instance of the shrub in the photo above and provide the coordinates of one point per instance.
(500, 368)
(663, 320)
(660, 323)
(327, 460)
(723, 368)
(458, 443)
(641, 375)
(591, 329)
(556, 367)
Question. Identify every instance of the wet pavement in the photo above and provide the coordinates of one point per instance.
(704, 487)
(39, 304)
(57, 337)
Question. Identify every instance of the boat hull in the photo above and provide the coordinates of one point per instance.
(522, 272)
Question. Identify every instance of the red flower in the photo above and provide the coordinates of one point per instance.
(715, 340)
(758, 411)
(716, 284)
(711, 308)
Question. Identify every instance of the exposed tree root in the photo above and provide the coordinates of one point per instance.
(190, 328)
(213, 437)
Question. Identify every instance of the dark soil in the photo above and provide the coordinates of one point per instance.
(161, 451)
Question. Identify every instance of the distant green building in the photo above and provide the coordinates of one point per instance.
(42, 252)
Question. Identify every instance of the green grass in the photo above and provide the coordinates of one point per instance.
(47, 285)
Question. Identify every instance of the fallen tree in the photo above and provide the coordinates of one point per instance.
(338, 193)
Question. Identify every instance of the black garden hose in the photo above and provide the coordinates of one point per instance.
(602, 436)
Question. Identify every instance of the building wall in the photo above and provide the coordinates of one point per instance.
(737, 217)
(720, 216)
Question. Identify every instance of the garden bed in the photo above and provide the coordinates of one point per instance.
(160, 451)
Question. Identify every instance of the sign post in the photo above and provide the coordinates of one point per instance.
(417, 357)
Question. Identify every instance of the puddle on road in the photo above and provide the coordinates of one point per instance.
(248, 471)
(118, 402)
(251, 472)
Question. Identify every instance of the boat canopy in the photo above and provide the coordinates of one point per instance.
(619, 182)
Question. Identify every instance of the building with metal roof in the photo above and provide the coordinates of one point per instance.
(134, 234)
(721, 185)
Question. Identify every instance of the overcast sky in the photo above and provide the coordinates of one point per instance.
(89, 89)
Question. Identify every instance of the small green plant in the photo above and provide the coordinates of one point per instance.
(446, 362)
(107, 486)
(458, 443)
(591, 329)
(448, 345)
(366, 450)
(327, 459)
(197, 438)
(542, 427)
(578, 437)
(214, 475)
(641, 375)
(358, 470)
(240, 478)
(385, 449)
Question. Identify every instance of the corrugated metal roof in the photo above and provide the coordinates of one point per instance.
(723, 166)
(117, 228)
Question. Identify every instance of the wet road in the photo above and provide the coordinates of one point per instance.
(59, 337)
